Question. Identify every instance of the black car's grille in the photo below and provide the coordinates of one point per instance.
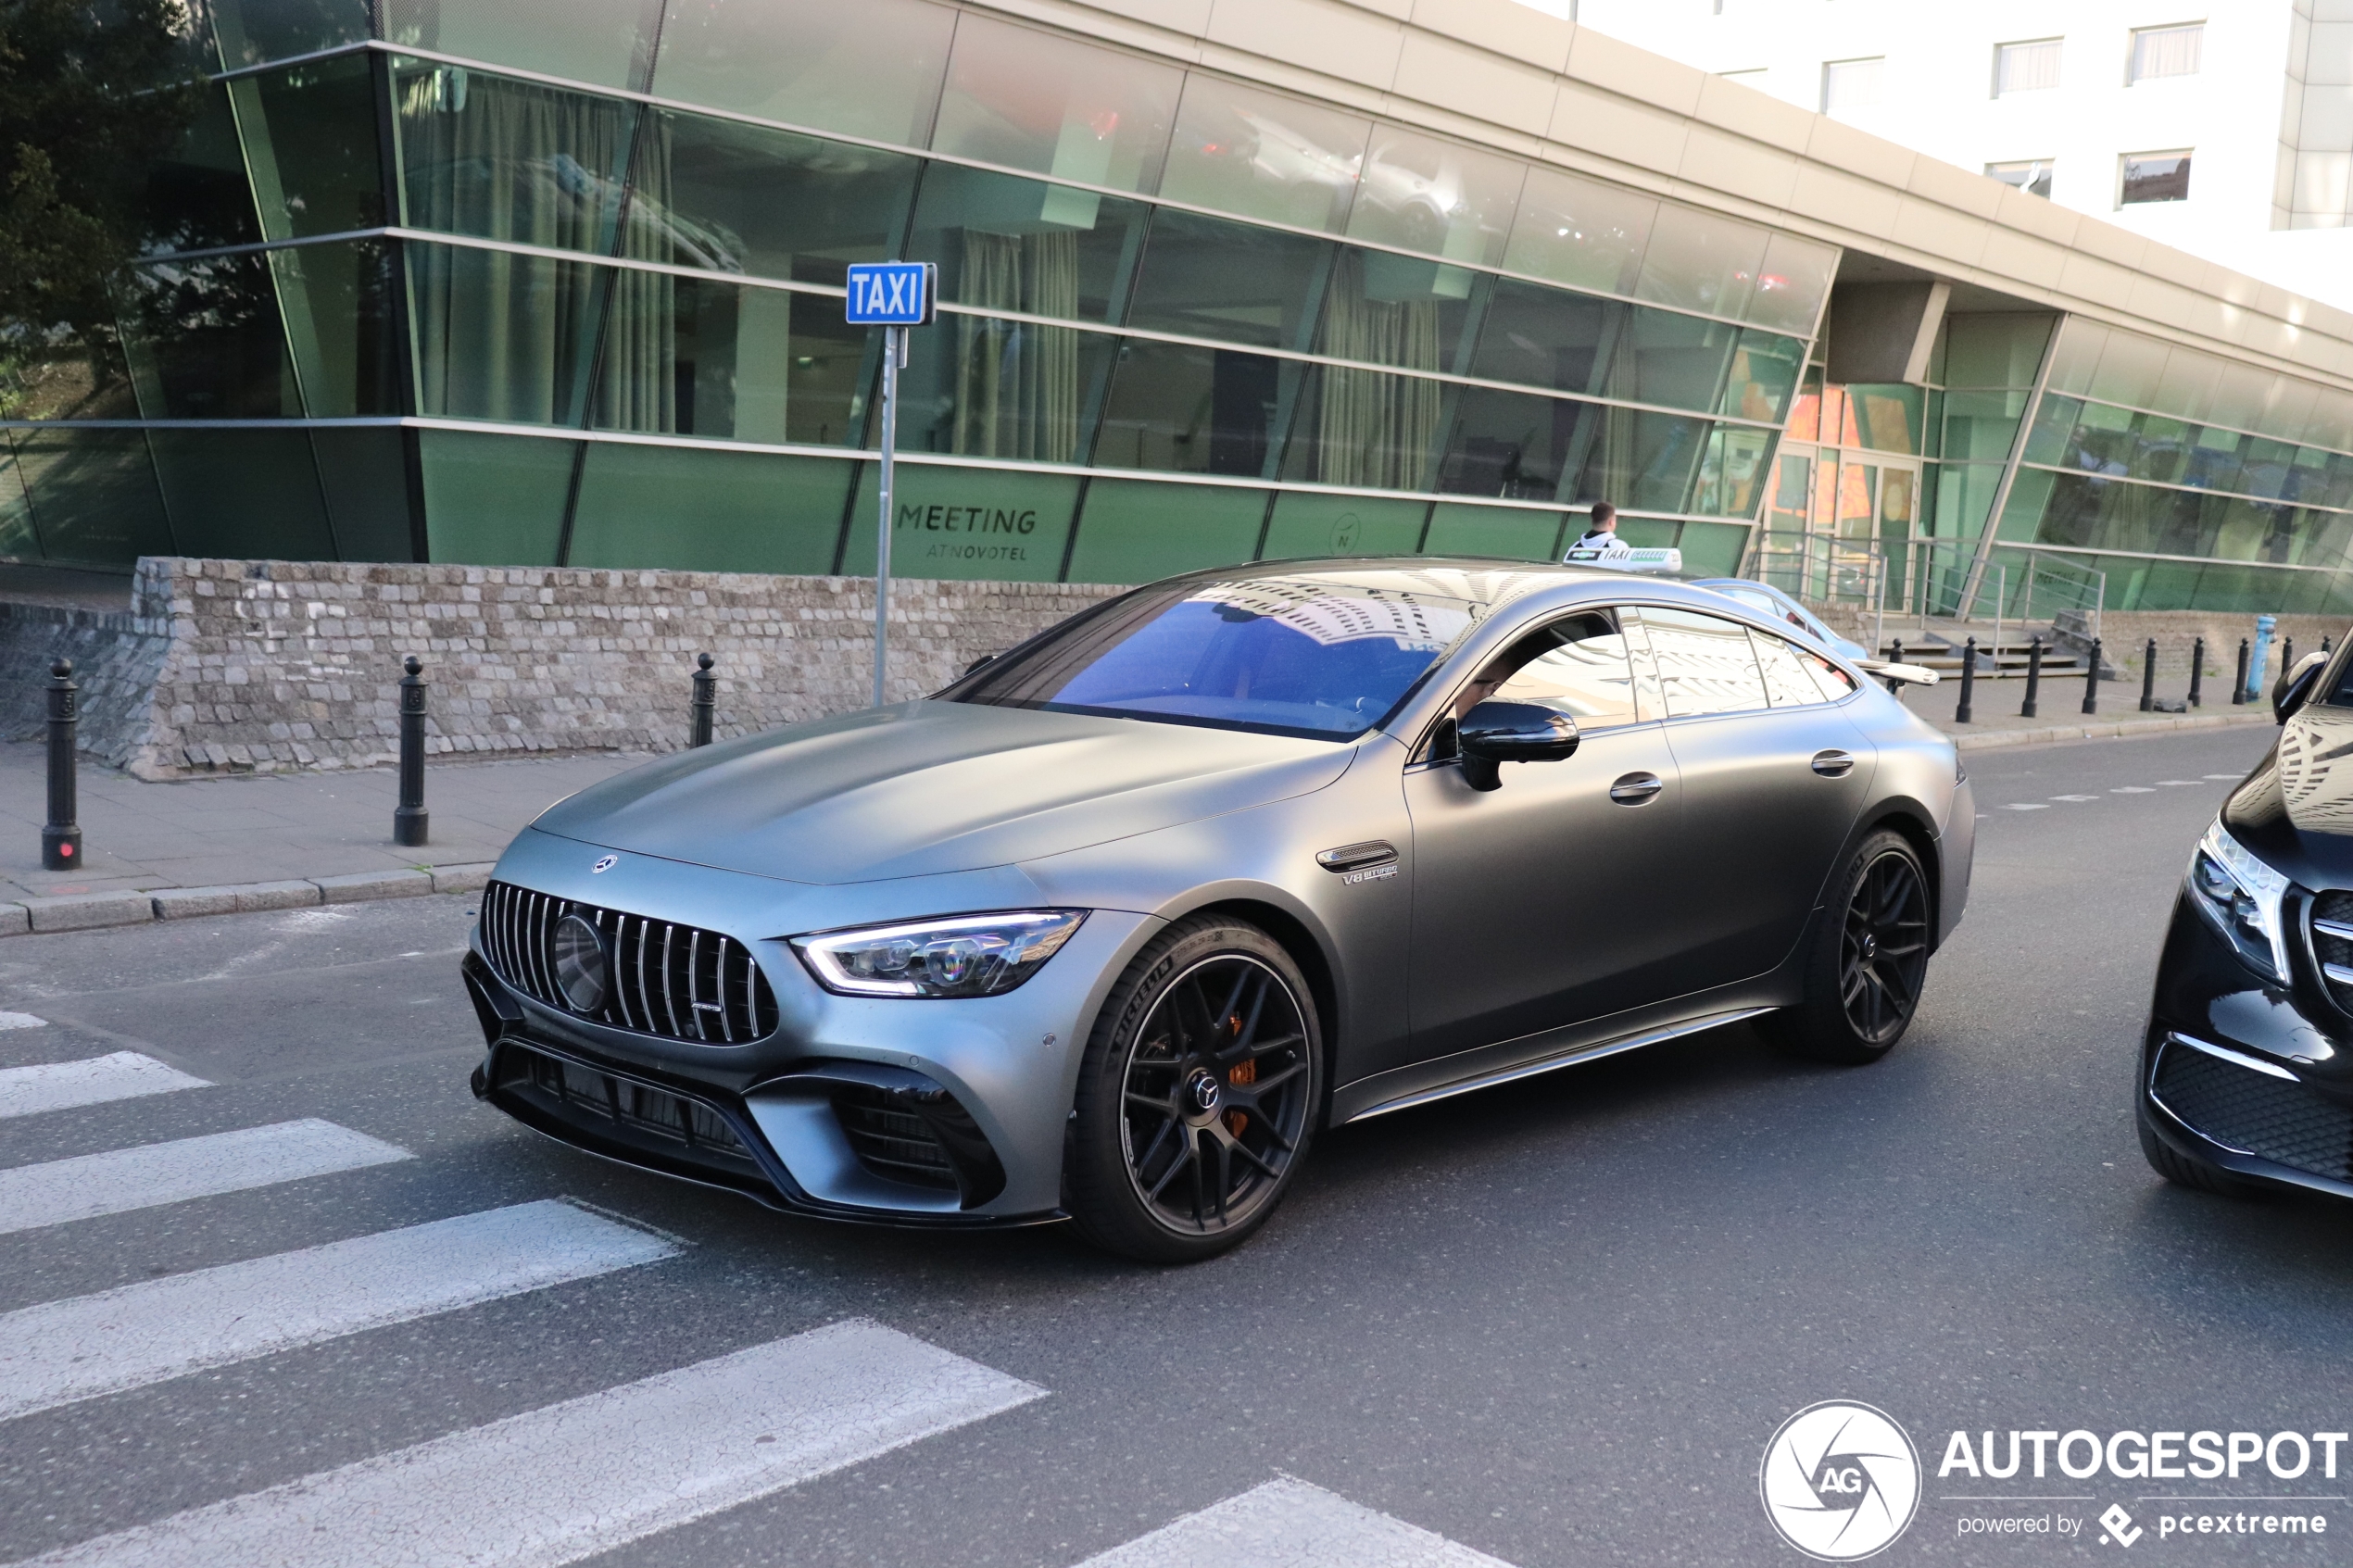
(894, 1143)
(623, 1114)
(676, 981)
(2335, 950)
(2257, 1113)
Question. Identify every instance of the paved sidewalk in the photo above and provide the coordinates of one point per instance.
(1996, 720)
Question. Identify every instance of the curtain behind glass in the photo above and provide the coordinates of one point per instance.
(638, 386)
(1016, 381)
(1375, 431)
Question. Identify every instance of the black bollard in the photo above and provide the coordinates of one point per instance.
(2029, 709)
(1964, 710)
(2287, 655)
(61, 837)
(1896, 656)
(409, 819)
(2238, 685)
(2092, 679)
(2325, 644)
(2148, 677)
(2198, 672)
(706, 683)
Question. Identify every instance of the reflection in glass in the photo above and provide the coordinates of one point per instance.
(1763, 374)
(694, 356)
(1791, 284)
(1542, 338)
(310, 141)
(64, 374)
(602, 43)
(1195, 411)
(250, 31)
(1205, 277)
(203, 341)
(1882, 417)
(342, 321)
(365, 479)
(1077, 249)
(19, 540)
(1389, 309)
(1581, 232)
(2098, 513)
(1732, 472)
(243, 494)
(1512, 445)
(742, 198)
(1677, 362)
(1053, 105)
(196, 195)
(869, 69)
(510, 160)
(1367, 428)
(1247, 151)
(501, 336)
(1993, 349)
(1421, 193)
(986, 387)
(1701, 262)
(1639, 460)
(94, 493)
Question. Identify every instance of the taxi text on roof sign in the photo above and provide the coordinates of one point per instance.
(891, 293)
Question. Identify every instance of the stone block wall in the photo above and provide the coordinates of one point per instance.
(232, 665)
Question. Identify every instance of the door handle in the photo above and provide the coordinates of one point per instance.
(1833, 764)
(1634, 789)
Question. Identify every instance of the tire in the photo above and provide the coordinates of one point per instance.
(1870, 958)
(1197, 1095)
(2187, 1170)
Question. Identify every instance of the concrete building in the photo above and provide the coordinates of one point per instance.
(522, 283)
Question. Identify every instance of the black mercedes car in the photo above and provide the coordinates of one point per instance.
(2246, 1070)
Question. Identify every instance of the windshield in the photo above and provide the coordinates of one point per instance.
(1297, 656)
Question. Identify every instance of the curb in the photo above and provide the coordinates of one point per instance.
(88, 911)
(2123, 729)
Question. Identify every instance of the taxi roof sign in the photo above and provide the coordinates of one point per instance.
(892, 294)
(1664, 561)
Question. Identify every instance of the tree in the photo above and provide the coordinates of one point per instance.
(92, 93)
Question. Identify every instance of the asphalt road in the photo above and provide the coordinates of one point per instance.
(1555, 1324)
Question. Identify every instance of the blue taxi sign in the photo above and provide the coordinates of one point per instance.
(891, 293)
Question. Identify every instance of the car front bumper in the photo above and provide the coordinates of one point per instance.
(2245, 1074)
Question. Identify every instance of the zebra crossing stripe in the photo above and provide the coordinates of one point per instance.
(61, 1085)
(1288, 1524)
(155, 1174)
(78, 1349)
(563, 1483)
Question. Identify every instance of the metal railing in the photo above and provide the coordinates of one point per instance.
(1816, 569)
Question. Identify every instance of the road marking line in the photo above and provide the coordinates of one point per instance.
(2027, 806)
(570, 1481)
(22, 1021)
(2131, 789)
(2231, 778)
(155, 1174)
(61, 1085)
(1289, 1523)
(62, 1351)
(2177, 783)
(2075, 797)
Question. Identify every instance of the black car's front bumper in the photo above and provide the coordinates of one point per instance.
(2241, 1072)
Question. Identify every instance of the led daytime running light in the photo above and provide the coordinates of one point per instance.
(958, 956)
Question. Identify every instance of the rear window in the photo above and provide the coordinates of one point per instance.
(1283, 656)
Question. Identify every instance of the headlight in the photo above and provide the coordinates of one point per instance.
(958, 956)
(2240, 896)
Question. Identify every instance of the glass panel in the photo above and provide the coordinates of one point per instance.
(342, 318)
(2166, 51)
(1806, 409)
(1705, 664)
(250, 495)
(18, 539)
(1366, 429)
(1858, 500)
(203, 341)
(494, 500)
(687, 357)
(2026, 68)
(1710, 549)
(1586, 672)
(741, 198)
(1884, 418)
(94, 493)
(510, 160)
(1675, 360)
(1196, 410)
(965, 524)
(1205, 277)
(1732, 472)
(2243, 396)
(1793, 491)
(2129, 369)
(197, 195)
(1244, 150)
(601, 42)
(1641, 461)
(1983, 424)
(501, 336)
(1578, 232)
(1307, 526)
(1701, 261)
(1395, 311)
(1764, 373)
(310, 141)
(2077, 359)
(1421, 193)
(869, 69)
(1007, 244)
(1512, 445)
(365, 476)
(249, 31)
(1053, 105)
(693, 510)
(63, 375)
(1542, 338)
(1995, 350)
(1135, 531)
(1792, 283)
(2030, 175)
(1458, 528)
(2187, 387)
(990, 388)
(1964, 497)
(1788, 681)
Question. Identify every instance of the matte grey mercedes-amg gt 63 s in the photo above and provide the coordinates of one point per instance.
(1111, 927)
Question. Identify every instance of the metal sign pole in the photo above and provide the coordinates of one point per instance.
(894, 356)
(893, 295)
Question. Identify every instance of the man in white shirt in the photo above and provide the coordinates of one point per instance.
(1603, 535)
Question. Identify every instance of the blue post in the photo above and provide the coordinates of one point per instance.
(2263, 625)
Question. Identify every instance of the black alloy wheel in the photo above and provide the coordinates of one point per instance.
(1198, 1097)
(1868, 963)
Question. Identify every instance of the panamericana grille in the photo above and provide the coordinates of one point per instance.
(2332, 944)
(676, 981)
(2257, 1113)
(892, 1143)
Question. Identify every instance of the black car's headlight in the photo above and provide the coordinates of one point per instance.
(2242, 896)
(954, 956)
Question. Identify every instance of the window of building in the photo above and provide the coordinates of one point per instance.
(2031, 175)
(1852, 85)
(2026, 68)
(2154, 177)
(2166, 51)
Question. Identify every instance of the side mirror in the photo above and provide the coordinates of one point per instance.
(2295, 686)
(1495, 733)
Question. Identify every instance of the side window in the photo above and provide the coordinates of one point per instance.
(1787, 680)
(1705, 663)
(1836, 684)
(1578, 661)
